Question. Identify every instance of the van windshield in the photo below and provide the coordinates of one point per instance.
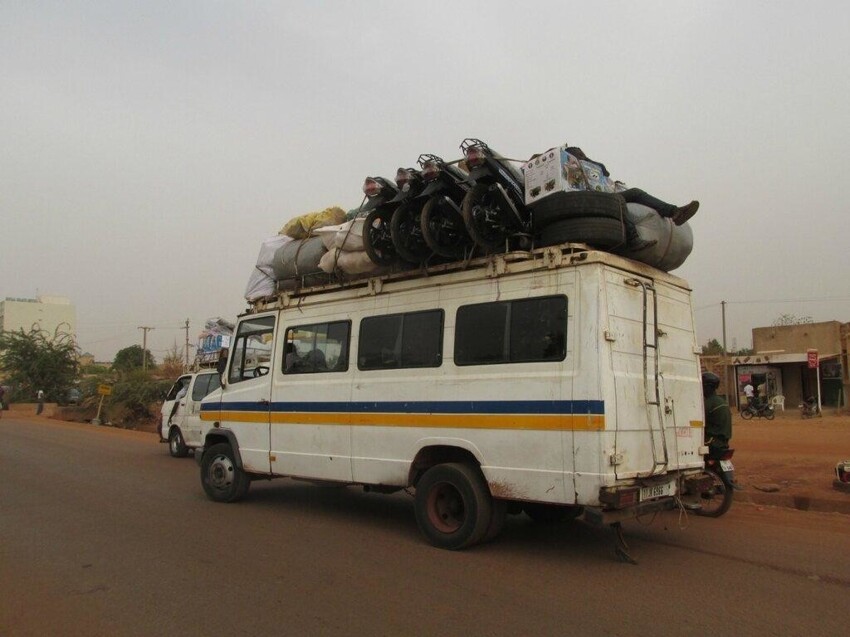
(252, 350)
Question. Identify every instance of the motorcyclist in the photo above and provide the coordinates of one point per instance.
(718, 418)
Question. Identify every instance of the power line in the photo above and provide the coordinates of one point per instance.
(824, 299)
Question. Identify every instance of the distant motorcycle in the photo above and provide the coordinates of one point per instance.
(758, 410)
(809, 408)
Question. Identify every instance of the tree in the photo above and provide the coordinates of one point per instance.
(791, 319)
(712, 348)
(130, 358)
(38, 360)
(172, 363)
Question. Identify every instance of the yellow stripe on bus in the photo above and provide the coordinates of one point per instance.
(543, 422)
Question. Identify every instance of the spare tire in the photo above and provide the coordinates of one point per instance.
(600, 232)
(576, 203)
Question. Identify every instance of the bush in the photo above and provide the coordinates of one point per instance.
(135, 396)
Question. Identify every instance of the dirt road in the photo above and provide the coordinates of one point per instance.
(105, 534)
(794, 456)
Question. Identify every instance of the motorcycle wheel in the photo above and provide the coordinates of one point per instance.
(443, 229)
(377, 240)
(770, 414)
(746, 414)
(484, 220)
(717, 500)
(406, 233)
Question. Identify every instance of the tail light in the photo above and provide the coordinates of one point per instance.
(430, 170)
(403, 177)
(727, 455)
(371, 187)
(619, 498)
(475, 156)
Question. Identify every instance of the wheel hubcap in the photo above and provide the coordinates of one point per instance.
(220, 473)
(446, 510)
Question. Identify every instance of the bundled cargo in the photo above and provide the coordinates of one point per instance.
(298, 260)
(261, 283)
(346, 253)
(673, 244)
(300, 227)
(347, 236)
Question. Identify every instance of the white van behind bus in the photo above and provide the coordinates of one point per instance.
(560, 381)
(180, 416)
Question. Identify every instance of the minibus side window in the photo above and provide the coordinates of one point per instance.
(414, 339)
(252, 349)
(317, 348)
(523, 331)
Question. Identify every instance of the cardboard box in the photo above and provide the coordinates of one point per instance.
(556, 170)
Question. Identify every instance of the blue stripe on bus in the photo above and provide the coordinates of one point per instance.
(594, 407)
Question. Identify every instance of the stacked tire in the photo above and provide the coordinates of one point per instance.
(582, 216)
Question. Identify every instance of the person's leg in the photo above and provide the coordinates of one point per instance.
(636, 195)
(679, 215)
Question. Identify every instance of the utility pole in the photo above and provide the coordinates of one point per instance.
(187, 343)
(145, 331)
(723, 311)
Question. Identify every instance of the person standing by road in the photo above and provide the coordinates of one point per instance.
(40, 399)
(750, 394)
(718, 418)
(2, 400)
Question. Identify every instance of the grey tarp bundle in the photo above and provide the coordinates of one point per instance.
(674, 242)
(297, 260)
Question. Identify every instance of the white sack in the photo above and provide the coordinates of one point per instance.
(261, 281)
(347, 236)
(349, 262)
(674, 242)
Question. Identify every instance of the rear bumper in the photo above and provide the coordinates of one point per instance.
(598, 516)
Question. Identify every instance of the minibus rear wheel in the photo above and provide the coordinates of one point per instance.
(222, 479)
(453, 505)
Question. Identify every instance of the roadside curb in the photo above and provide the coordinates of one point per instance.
(799, 502)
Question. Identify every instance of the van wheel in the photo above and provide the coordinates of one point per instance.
(176, 445)
(222, 480)
(453, 506)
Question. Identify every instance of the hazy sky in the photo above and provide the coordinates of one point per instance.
(148, 148)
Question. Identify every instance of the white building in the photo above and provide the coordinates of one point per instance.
(49, 313)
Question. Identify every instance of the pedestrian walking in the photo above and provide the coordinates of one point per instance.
(40, 398)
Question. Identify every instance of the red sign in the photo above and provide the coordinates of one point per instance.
(813, 358)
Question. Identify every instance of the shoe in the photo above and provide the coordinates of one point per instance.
(641, 244)
(683, 213)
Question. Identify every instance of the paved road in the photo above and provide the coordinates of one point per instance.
(104, 534)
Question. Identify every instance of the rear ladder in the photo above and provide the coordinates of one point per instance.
(652, 383)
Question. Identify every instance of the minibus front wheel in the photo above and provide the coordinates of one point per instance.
(453, 505)
(222, 479)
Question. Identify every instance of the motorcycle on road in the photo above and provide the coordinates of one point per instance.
(758, 410)
(711, 493)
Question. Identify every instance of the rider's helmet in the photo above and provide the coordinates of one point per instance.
(710, 382)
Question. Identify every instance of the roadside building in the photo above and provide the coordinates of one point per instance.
(797, 361)
(49, 313)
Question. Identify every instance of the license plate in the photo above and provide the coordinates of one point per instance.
(726, 465)
(658, 491)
